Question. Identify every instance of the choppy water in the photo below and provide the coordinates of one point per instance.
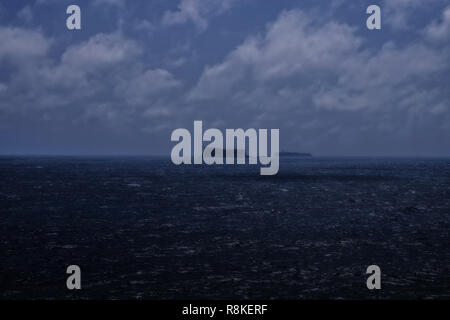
(144, 228)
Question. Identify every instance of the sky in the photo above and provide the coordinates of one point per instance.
(137, 70)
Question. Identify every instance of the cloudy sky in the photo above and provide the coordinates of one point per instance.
(140, 69)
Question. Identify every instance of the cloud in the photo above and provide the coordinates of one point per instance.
(22, 43)
(400, 14)
(101, 79)
(291, 45)
(141, 88)
(109, 2)
(440, 30)
(316, 81)
(329, 87)
(144, 25)
(396, 13)
(198, 12)
(101, 49)
(26, 14)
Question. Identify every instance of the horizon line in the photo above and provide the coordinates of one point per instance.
(106, 155)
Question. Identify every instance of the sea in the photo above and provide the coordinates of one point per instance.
(144, 228)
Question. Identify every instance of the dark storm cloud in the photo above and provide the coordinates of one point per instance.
(331, 86)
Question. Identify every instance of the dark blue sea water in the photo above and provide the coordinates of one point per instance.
(145, 228)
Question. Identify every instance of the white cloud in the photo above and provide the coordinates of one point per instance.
(440, 30)
(396, 12)
(399, 14)
(312, 78)
(101, 49)
(109, 2)
(144, 25)
(19, 43)
(143, 87)
(198, 12)
(292, 45)
(103, 78)
(26, 14)
(320, 81)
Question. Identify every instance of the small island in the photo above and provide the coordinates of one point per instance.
(294, 154)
